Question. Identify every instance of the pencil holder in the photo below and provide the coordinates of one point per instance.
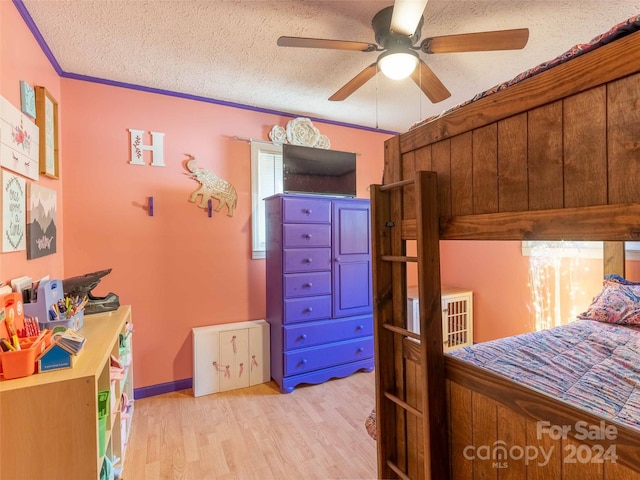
(49, 294)
(75, 322)
(22, 363)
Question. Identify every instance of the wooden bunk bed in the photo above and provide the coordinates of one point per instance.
(555, 156)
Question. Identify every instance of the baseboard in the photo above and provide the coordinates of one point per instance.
(152, 390)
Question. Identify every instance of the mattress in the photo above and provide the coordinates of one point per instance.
(591, 365)
(617, 31)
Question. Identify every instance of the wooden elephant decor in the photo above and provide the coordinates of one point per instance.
(212, 187)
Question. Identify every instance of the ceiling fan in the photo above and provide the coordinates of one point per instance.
(397, 29)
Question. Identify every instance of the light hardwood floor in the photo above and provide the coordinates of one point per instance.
(315, 432)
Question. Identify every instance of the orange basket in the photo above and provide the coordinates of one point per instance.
(22, 363)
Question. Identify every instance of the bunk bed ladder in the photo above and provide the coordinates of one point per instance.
(398, 434)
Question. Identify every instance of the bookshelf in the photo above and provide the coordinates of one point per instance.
(49, 421)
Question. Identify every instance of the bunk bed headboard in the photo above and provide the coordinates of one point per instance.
(523, 163)
(555, 156)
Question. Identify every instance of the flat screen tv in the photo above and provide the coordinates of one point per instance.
(318, 171)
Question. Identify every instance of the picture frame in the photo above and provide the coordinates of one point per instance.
(47, 122)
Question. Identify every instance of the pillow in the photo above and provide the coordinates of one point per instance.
(617, 303)
(618, 279)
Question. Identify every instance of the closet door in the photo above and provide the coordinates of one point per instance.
(351, 251)
(234, 359)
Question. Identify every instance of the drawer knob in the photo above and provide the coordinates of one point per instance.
(308, 285)
(360, 350)
(303, 336)
(308, 260)
(308, 309)
(307, 211)
(307, 236)
(303, 361)
(360, 327)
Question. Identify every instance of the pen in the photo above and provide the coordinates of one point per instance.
(7, 345)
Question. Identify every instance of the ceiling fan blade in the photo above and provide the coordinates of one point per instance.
(355, 83)
(406, 16)
(324, 43)
(477, 42)
(429, 83)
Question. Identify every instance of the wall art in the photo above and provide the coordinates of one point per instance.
(47, 121)
(18, 141)
(41, 221)
(27, 99)
(13, 201)
(299, 131)
(212, 187)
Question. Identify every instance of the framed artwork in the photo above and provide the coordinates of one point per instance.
(27, 99)
(19, 138)
(13, 201)
(47, 122)
(41, 221)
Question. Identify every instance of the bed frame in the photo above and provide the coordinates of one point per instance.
(556, 156)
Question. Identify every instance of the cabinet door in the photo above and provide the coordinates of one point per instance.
(351, 250)
(234, 359)
(205, 361)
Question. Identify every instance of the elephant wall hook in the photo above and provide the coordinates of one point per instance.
(212, 186)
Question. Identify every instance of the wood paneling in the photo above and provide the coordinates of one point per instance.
(615, 471)
(461, 431)
(423, 159)
(605, 64)
(441, 163)
(485, 169)
(577, 461)
(408, 172)
(545, 157)
(513, 432)
(606, 222)
(485, 434)
(461, 175)
(613, 258)
(548, 462)
(513, 195)
(585, 149)
(623, 127)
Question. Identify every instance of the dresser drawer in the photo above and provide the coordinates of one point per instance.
(307, 284)
(306, 259)
(307, 308)
(314, 358)
(320, 332)
(306, 210)
(306, 235)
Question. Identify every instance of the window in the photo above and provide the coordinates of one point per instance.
(576, 249)
(266, 180)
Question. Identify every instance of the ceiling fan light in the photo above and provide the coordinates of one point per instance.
(398, 65)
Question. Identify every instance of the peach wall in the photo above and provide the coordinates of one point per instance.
(21, 58)
(181, 269)
(178, 269)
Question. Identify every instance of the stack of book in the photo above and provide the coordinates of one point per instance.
(71, 340)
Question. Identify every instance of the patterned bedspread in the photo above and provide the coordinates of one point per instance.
(620, 30)
(591, 365)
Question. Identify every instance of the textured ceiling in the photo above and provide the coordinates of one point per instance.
(226, 49)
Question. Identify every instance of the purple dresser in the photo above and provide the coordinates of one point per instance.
(319, 292)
